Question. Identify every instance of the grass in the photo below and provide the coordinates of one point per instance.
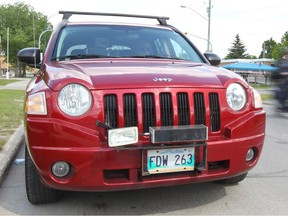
(266, 97)
(261, 86)
(4, 82)
(11, 112)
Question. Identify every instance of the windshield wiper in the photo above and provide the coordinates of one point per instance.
(158, 57)
(82, 56)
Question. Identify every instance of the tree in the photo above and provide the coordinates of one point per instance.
(237, 50)
(277, 51)
(267, 48)
(24, 24)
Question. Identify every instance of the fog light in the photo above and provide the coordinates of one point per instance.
(60, 169)
(250, 154)
(122, 136)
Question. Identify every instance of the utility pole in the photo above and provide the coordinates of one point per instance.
(209, 21)
(7, 54)
(0, 56)
(264, 49)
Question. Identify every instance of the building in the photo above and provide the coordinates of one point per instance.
(3, 67)
(252, 70)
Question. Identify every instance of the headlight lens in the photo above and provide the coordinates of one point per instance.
(236, 96)
(74, 99)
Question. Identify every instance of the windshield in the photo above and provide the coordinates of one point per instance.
(114, 41)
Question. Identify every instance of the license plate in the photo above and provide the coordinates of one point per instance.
(170, 160)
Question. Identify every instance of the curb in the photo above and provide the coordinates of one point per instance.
(269, 102)
(9, 151)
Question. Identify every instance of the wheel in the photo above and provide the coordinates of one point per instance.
(233, 180)
(36, 192)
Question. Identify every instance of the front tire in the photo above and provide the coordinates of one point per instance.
(233, 180)
(36, 192)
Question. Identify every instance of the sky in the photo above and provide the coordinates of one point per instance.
(254, 20)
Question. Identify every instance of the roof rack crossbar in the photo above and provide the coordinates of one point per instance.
(68, 14)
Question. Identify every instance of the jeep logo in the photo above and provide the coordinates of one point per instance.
(162, 79)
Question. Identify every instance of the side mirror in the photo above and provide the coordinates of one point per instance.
(30, 56)
(213, 58)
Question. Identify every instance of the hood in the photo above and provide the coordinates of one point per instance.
(125, 73)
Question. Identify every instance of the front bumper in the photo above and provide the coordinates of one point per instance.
(96, 167)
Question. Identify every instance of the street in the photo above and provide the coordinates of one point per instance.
(264, 191)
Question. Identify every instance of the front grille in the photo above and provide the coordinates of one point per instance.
(141, 110)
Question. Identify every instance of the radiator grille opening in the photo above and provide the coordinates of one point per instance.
(130, 110)
(166, 109)
(214, 111)
(111, 110)
(183, 109)
(148, 109)
(199, 108)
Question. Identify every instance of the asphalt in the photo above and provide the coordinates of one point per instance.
(11, 148)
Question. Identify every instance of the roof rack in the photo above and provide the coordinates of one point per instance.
(68, 14)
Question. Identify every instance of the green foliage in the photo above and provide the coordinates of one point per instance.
(237, 50)
(277, 51)
(268, 46)
(251, 57)
(25, 25)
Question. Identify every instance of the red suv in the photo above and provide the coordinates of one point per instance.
(120, 106)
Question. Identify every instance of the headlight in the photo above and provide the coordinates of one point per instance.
(74, 100)
(236, 96)
(36, 104)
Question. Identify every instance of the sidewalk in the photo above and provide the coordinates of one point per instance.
(20, 85)
(10, 149)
